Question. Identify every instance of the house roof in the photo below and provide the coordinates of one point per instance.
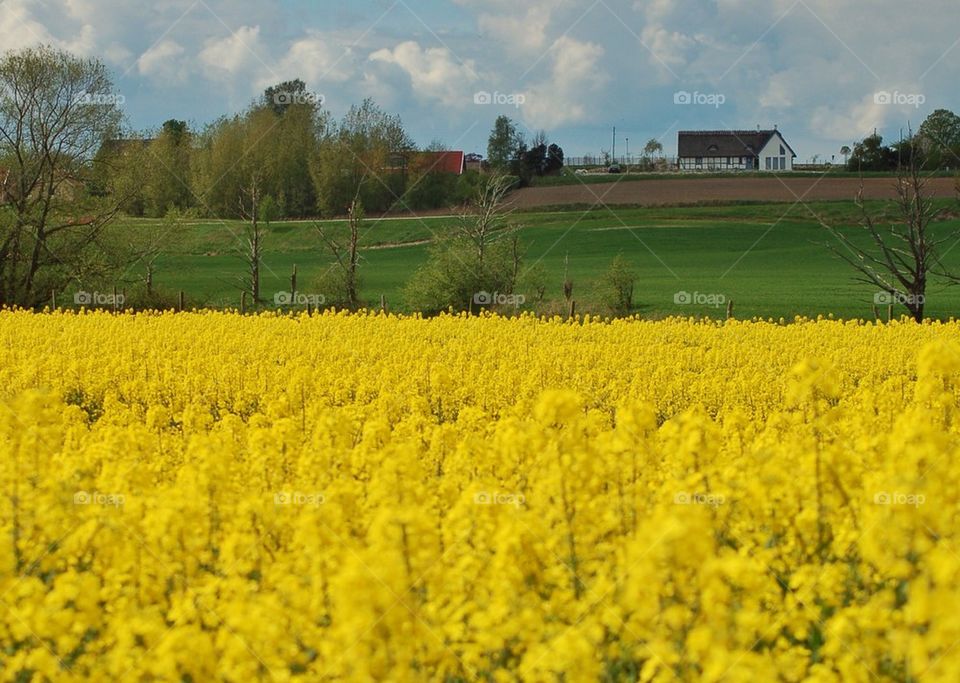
(442, 162)
(724, 143)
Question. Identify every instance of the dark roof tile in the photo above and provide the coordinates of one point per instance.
(722, 143)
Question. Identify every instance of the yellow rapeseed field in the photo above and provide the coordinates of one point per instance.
(206, 496)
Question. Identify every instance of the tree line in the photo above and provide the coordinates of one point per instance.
(299, 159)
(69, 168)
(935, 146)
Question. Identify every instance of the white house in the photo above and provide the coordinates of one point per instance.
(734, 150)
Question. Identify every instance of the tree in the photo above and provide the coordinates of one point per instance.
(653, 148)
(540, 160)
(845, 151)
(616, 286)
(284, 146)
(504, 144)
(363, 157)
(871, 155)
(481, 258)
(167, 167)
(251, 206)
(341, 283)
(55, 112)
(939, 139)
(284, 95)
(900, 259)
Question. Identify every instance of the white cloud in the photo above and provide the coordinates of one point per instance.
(18, 28)
(164, 62)
(234, 54)
(522, 27)
(319, 58)
(846, 123)
(434, 73)
(567, 96)
(812, 67)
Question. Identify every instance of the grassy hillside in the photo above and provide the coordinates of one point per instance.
(769, 259)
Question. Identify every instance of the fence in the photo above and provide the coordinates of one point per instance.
(625, 161)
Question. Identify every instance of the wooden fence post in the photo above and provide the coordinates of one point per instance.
(383, 304)
(573, 309)
(180, 301)
(243, 302)
(889, 312)
(729, 309)
(53, 299)
(293, 285)
(114, 298)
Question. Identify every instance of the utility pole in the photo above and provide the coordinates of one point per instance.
(628, 151)
(614, 155)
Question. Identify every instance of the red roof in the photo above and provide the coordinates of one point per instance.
(446, 162)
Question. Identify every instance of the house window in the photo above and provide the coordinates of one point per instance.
(783, 163)
(783, 152)
(699, 161)
(769, 163)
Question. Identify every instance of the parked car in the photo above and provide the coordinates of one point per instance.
(614, 169)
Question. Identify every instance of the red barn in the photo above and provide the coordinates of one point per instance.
(441, 162)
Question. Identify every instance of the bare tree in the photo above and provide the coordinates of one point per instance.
(487, 216)
(55, 112)
(480, 257)
(346, 253)
(903, 255)
(252, 248)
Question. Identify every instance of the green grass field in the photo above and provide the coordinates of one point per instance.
(770, 259)
(568, 177)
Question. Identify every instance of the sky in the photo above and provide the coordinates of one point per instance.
(825, 72)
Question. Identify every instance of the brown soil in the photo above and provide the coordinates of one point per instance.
(715, 190)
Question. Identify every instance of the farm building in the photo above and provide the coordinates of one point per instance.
(443, 162)
(426, 162)
(473, 162)
(734, 150)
